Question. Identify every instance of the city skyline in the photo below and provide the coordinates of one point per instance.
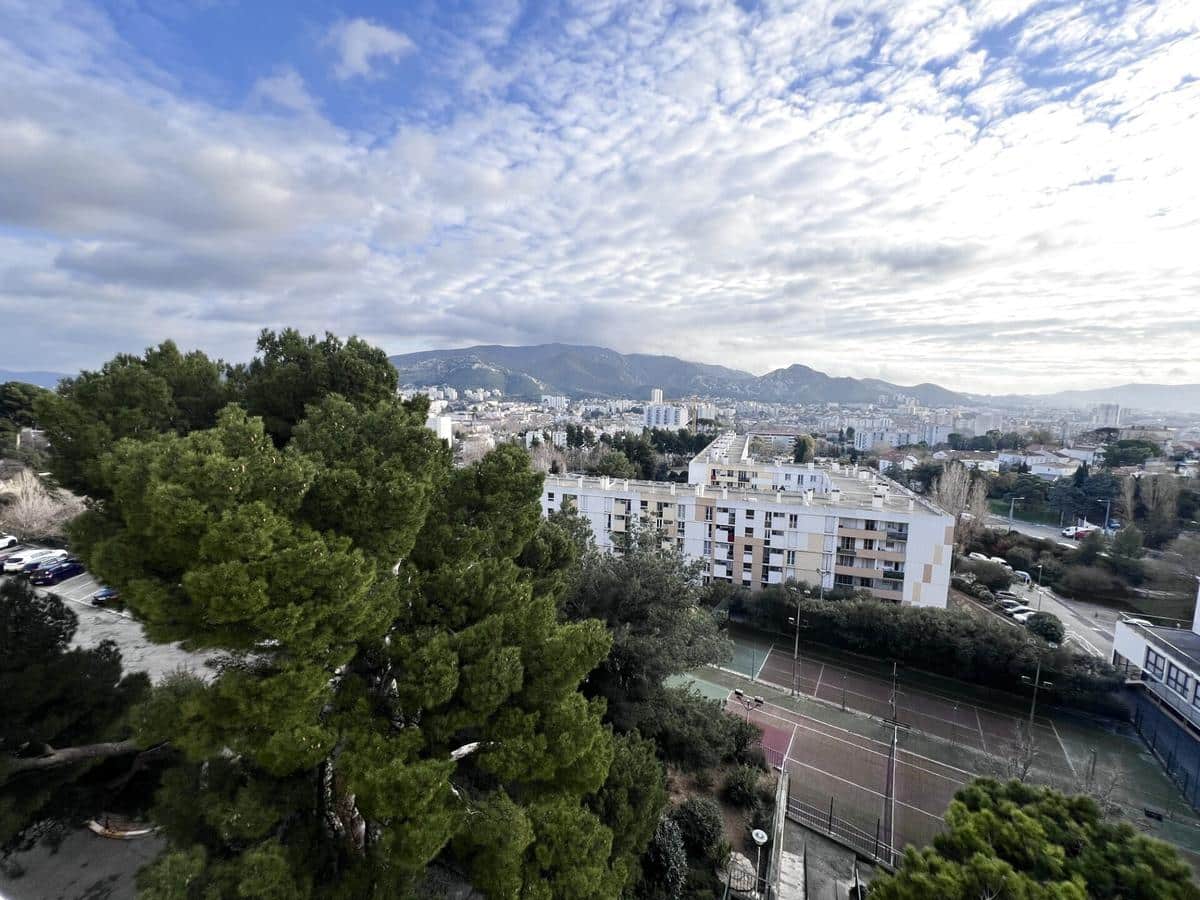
(993, 200)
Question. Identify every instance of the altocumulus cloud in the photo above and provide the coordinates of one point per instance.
(998, 196)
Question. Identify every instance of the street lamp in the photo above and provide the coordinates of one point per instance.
(1037, 682)
(748, 703)
(1012, 501)
(1107, 512)
(795, 621)
(760, 838)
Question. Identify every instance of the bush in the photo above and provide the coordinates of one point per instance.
(692, 732)
(665, 869)
(741, 786)
(1047, 626)
(701, 827)
(989, 574)
(1086, 582)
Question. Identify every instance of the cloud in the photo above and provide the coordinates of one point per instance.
(923, 188)
(285, 89)
(360, 44)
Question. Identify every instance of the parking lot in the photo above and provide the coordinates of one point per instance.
(98, 624)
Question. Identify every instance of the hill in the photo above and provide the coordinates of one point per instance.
(580, 371)
(41, 379)
(1180, 398)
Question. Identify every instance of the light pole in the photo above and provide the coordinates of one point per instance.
(1012, 501)
(795, 620)
(760, 838)
(1037, 682)
(1107, 512)
(748, 703)
(1039, 587)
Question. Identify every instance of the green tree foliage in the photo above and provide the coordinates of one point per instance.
(630, 802)
(700, 825)
(17, 401)
(1047, 626)
(292, 371)
(1126, 552)
(614, 464)
(804, 448)
(947, 641)
(693, 733)
(398, 684)
(649, 597)
(161, 391)
(741, 786)
(991, 575)
(639, 450)
(1090, 548)
(1129, 453)
(665, 870)
(681, 442)
(1016, 840)
(60, 712)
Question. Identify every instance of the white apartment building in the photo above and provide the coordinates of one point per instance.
(843, 527)
(659, 415)
(656, 396)
(442, 426)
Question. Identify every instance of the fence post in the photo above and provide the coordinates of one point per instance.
(876, 853)
(831, 815)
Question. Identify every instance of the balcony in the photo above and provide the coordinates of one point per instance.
(894, 596)
(886, 555)
(894, 535)
(861, 533)
(892, 575)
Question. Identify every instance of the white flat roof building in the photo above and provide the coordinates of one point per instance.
(842, 527)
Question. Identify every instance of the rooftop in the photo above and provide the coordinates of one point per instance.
(1183, 643)
(847, 493)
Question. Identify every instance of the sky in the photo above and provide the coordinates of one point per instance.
(994, 196)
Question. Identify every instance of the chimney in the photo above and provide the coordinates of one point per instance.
(672, 489)
(835, 494)
(877, 501)
(808, 498)
(779, 496)
(911, 503)
(724, 493)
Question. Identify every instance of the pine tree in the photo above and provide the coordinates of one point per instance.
(398, 686)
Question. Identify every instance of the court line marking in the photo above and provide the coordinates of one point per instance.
(863, 787)
(1063, 747)
(764, 663)
(819, 676)
(885, 679)
(895, 756)
(1003, 717)
(912, 754)
(788, 751)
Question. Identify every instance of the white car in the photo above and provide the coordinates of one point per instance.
(1008, 605)
(1024, 616)
(7, 540)
(18, 562)
(979, 557)
(1020, 611)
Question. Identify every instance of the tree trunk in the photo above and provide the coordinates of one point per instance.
(69, 755)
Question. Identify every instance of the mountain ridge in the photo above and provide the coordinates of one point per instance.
(590, 371)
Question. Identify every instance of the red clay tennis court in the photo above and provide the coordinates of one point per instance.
(991, 730)
(898, 795)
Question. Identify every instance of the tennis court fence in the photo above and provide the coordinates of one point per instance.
(863, 838)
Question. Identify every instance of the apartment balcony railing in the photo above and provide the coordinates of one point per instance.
(894, 535)
(890, 575)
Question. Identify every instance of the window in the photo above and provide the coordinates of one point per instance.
(1177, 679)
(550, 495)
(1155, 664)
(846, 543)
(1196, 695)
(749, 531)
(708, 513)
(869, 525)
(747, 567)
(791, 557)
(749, 514)
(793, 520)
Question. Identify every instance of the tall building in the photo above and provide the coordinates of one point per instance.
(658, 415)
(1107, 415)
(758, 522)
(656, 396)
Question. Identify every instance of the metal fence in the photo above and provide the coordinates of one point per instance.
(1173, 743)
(864, 839)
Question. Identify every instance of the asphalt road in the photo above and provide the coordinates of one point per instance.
(1046, 532)
(1089, 627)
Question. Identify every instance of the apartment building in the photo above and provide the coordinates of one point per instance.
(658, 415)
(730, 462)
(843, 527)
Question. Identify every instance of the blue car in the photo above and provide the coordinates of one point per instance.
(106, 596)
(59, 570)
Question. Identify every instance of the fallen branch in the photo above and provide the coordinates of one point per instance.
(67, 756)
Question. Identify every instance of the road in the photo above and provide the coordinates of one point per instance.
(1032, 529)
(1089, 627)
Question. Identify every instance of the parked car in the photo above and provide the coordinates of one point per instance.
(1023, 576)
(1011, 603)
(1000, 561)
(36, 565)
(1008, 595)
(8, 540)
(979, 557)
(106, 596)
(18, 561)
(1023, 616)
(1017, 610)
(57, 571)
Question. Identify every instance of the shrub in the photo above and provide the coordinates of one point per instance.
(690, 731)
(741, 786)
(1047, 626)
(703, 780)
(989, 574)
(665, 870)
(700, 825)
(1086, 582)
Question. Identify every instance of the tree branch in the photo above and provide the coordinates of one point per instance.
(69, 755)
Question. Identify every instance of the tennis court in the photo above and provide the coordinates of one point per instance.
(872, 780)
(988, 728)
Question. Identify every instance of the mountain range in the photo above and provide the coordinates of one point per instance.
(41, 379)
(598, 372)
(582, 371)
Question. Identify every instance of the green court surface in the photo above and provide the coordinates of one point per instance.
(826, 749)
